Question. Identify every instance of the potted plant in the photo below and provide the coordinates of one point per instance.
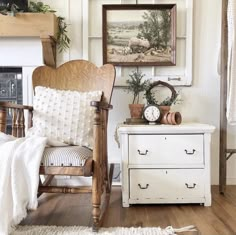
(136, 85)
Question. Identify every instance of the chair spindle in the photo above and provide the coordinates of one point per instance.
(3, 119)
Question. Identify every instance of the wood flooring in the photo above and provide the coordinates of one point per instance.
(72, 209)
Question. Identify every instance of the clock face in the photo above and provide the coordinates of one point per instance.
(151, 113)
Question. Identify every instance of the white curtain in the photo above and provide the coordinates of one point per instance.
(231, 79)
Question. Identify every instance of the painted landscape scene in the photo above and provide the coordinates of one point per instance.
(137, 37)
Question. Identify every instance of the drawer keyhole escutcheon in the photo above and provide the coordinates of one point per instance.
(190, 153)
(142, 153)
(143, 187)
(188, 186)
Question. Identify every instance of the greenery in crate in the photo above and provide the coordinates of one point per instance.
(63, 41)
(136, 85)
(38, 7)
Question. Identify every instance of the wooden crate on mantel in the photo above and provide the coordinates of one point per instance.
(29, 25)
(43, 25)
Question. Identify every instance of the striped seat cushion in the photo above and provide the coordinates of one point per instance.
(66, 156)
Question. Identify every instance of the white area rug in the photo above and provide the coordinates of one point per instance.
(75, 230)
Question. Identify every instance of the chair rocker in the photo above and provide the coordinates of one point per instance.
(82, 76)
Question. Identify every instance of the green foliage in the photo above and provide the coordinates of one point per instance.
(168, 101)
(150, 97)
(156, 27)
(136, 85)
(63, 41)
(62, 38)
(39, 7)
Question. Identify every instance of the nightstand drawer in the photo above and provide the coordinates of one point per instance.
(166, 150)
(147, 185)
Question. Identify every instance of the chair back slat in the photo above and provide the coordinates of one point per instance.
(79, 75)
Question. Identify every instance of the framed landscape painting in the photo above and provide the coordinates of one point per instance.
(142, 34)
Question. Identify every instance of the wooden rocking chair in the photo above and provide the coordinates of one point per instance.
(82, 76)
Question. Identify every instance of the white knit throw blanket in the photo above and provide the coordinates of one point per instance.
(19, 178)
(231, 79)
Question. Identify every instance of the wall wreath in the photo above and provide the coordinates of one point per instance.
(166, 102)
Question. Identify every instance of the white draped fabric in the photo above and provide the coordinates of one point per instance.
(19, 178)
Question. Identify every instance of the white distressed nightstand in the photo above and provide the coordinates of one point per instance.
(165, 163)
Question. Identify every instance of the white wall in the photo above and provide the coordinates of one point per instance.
(201, 101)
(20, 51)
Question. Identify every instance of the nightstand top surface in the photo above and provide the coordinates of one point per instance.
(183, 128)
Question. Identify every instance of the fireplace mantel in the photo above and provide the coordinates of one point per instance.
(43, 25)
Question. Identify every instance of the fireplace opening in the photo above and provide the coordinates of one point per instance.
(11, 89)
(22, 4)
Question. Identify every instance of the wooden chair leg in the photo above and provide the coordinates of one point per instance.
(99, 208)
(108, 189)
(46, 182)
(101, 184)
(97, 179)
(96, 201)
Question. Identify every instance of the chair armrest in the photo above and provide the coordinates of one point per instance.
(101, 105)
(17, 118)
(15, 106)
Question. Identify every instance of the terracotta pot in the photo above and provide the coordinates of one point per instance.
(164, 118)
(176, 118)
(164, 109)
(136, 110)
(169, 118)
(173, 118)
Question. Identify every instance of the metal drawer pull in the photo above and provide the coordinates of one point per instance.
(143, 187)
(190, 186)
(174, 79)
(140, 153)
(190, 153)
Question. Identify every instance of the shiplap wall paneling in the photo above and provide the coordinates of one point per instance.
(181, 74)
